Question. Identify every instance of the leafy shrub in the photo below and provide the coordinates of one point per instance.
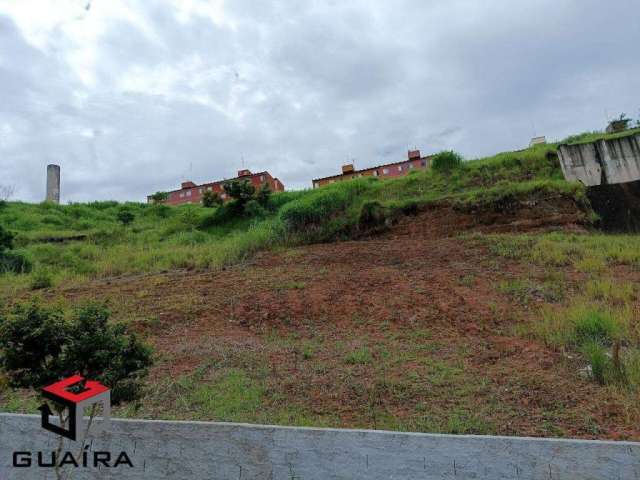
(14, 262)
(42, 345)
(446, 161)
(254, 209)
(42, 278)
(6, 239)
(11, 261)
(240, 191)
(159, 197)
(263, 195)
(159, 210)
(211, 199)
(125, 216)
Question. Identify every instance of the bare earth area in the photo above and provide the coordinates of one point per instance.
(405, 330)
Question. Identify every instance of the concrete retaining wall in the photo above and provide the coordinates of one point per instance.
(198, 450)
(602, 162)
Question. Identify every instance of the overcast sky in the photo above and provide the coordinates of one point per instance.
(134, 96)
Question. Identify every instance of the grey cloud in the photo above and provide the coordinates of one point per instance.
(300, 88)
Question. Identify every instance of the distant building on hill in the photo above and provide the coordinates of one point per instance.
(389, 170)
(189, 192)
(538, 141)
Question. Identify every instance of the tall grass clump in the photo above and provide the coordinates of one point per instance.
(446, 161)
(325, 213)
(605, 338)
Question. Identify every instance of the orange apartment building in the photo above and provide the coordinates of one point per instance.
(390, 170)
(192, 193)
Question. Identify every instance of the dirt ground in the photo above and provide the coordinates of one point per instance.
(403, 330)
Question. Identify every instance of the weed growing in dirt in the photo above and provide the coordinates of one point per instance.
(359, 356)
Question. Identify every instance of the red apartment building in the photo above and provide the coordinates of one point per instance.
(390, 170)
(192, 193)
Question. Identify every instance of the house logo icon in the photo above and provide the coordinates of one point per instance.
(75, 394)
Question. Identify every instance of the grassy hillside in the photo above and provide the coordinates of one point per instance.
(531, 333)
(69, 243)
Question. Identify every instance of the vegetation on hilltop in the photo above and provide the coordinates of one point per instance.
(103, 239)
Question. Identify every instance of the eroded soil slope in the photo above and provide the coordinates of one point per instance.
(403, 330)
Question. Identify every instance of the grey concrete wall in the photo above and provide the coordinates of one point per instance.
(53, 183)
(602, 162)
(199, 450)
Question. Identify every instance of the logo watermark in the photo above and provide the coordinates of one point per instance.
(74, 395)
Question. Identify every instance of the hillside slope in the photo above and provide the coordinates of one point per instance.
(478, 301)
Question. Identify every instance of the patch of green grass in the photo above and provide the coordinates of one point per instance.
(609, 291)
(359, 356)
(41, 278)
(562, 249)
(467, 280)
(589, 137)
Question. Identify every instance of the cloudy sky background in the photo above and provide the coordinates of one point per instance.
(133, 96)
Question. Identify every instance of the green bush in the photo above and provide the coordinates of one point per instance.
(159, 197)
(41, 278)
(211, 199)
(595, 326)
(14, 262)
(446, 161)
(254, 209)
(240, 191)
(263, 195)
(6, 239)
(41, 345)
(125, 216)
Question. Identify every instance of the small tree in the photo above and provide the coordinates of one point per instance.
(241, 191)
(263, 195)
(125, 217)
(159, 197)
(446, 161)
(41, 345)
(211, 199)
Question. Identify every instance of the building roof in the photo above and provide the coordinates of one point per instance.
(371, 168)
(221, 181)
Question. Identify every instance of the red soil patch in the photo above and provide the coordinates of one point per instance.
(380, 293)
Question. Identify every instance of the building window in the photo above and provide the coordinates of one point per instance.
(181, 194)
(410, 166)
(399, 168)
(262, 178)
(209, 188)
(315, 185)
(188, 193)
(385, 171)
(375, 173)
(423, 163)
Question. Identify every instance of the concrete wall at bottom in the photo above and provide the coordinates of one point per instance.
(199, 450)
